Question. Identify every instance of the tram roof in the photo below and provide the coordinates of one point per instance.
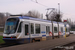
(37, 19)
(32, 18)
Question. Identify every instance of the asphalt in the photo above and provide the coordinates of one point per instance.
(43, 45)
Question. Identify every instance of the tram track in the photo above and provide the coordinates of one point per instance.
(70, 46)
(48, 46)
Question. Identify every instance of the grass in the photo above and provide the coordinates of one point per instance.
(1, 41)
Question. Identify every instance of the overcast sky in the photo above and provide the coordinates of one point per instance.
(67, 7)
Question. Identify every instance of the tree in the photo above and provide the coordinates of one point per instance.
(58, 18)
(34, 14)
(1, 18)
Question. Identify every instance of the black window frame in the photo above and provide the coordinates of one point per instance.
(37, 30)
(47, 29)
(20, 28)
(26, 29)
(67, 29)
(55, 31)
(61, 29)
(32, 28)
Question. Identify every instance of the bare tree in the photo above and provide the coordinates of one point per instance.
(33, 13)
(58, 18)
(1, 18)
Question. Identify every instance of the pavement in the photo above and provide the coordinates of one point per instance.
(43, 45)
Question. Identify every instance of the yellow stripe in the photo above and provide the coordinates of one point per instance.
(65, 32)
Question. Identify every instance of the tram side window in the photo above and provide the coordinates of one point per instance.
(32, 28)
(37, 28)
(19, 28)
(66, 30)
(62, 29)
(55, 29)
(47, 29)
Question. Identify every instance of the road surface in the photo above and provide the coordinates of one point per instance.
(43, 45)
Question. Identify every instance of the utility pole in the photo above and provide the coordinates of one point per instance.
(59, 8)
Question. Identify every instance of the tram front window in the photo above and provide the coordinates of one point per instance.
(10, 26)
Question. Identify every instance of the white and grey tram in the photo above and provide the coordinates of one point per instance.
(25, 29)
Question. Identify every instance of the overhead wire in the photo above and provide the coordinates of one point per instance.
(39, 3)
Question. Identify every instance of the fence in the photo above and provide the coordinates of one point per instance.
(1, 29)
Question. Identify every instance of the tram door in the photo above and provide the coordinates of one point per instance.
(26, 29)
(26, 32)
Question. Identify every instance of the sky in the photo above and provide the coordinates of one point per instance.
(23, 6)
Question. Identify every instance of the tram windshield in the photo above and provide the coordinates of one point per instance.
(11, 26)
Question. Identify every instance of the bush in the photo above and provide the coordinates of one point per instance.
(1, 41)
